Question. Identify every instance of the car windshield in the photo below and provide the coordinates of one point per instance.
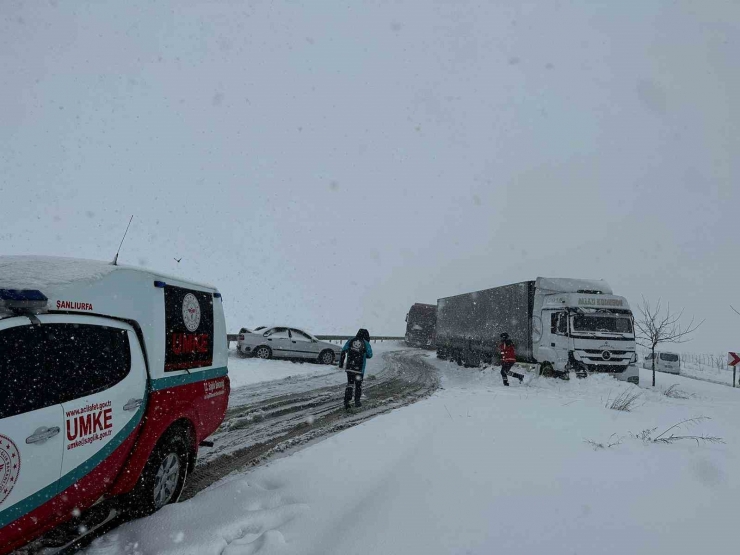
(669, 357)
(602, 323)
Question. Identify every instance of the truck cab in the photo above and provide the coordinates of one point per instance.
(421, 321)
(111, 379)
(587, 331)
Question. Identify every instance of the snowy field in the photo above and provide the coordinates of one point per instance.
(478, 469)
(248, 371)
(707, 373)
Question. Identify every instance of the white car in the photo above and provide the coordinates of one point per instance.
(285, 342)
(664, 362)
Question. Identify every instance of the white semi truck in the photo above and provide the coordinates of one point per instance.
(565, 325)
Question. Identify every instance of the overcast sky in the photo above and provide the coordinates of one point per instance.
(326, 164)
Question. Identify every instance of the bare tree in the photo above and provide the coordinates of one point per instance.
(655, 326)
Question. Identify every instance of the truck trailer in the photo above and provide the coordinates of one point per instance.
(562, 324)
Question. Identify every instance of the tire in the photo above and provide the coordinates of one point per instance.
(546, 370)
(164, 475)
(263, 352)
(458, 358)
(326, 357)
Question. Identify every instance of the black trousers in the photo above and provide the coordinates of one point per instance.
(506, 371)
(354, 381)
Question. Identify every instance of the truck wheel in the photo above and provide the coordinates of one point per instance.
(163, 477)
(263, 352)
(546, 370)
(326, 357)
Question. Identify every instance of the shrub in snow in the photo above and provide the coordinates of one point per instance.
(625, 401)
(611, 442)
(648, 435)
(674, 393)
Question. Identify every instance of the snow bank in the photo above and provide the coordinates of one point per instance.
(479, 469)
(241, 518)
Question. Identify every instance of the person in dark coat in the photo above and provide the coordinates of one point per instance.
(356, 351)
(508, 359)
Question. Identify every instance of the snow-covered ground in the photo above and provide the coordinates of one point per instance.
(248, 371)
(479, 468)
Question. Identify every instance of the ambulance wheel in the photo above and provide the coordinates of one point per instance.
(326, 357)
(263, 352)
(163, 477)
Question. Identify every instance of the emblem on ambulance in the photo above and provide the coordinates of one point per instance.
(10, 466)
(191, 312)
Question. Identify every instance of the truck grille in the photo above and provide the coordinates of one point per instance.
(599, 351)
(609, 368)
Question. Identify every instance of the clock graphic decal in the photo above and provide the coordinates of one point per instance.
(191, 312)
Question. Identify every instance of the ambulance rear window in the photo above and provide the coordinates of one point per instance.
(26, 382)
(86, 359)
(41, 366)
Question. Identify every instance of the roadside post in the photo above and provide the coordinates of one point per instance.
(733, 360)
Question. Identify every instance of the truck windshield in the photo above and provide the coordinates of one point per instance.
(601, 323)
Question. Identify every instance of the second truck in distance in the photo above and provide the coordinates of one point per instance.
(562, 324)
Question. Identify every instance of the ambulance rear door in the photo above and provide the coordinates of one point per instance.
(103, 392)
(31, 438)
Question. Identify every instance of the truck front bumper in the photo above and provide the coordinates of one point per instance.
(631, 374)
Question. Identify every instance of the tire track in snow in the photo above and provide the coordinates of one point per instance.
(266, 419)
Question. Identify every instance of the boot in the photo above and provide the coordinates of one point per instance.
(506, 383)
(347, 397)
(358, 394)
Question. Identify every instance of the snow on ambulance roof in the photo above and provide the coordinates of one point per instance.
(570, 285)
(43, 272)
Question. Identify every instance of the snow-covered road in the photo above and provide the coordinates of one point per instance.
(478, 468)
(272, 417)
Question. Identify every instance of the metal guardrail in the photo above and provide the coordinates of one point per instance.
(331, 338)
(373, 339)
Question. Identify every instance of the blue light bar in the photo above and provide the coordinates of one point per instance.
(160, 284)
(22, 299)
(217, 295)
(22, 295)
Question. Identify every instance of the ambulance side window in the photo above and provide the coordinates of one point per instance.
(25, 382)
(86, 359)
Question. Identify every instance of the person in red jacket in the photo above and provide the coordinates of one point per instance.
(508, 359)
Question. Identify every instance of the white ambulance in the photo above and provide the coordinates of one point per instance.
(110, 379)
